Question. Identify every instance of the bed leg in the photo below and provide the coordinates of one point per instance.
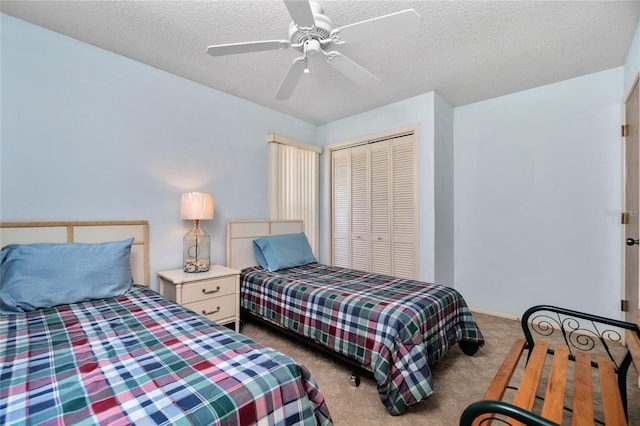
(469, 348)
(355, 378)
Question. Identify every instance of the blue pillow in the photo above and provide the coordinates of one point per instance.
(283, 251)
(43, 275)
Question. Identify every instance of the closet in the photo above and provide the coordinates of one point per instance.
(374, 189)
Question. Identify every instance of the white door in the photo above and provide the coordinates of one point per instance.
(404, 244)
(341, 207)
(380, 208)
(631, 204)
(360, 208)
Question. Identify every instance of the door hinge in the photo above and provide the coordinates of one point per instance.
(624, 218)
(625, 130)
(624, 305)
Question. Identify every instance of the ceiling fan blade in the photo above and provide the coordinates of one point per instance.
(291, 79)
(251, 46)
(300, 11)
(352, 70)
(397, 23)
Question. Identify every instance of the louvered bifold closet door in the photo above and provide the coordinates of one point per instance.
(360, 208)
(380, 208)
(341, 207)
(404, 212)
(375, 206)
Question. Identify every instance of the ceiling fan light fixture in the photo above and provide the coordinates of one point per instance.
(312, 47)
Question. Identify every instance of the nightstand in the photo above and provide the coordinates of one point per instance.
(214, 294)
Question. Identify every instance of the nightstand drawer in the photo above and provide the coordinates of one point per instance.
(207, 289)
(215, 309)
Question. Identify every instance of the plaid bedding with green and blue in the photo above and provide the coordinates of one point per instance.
(393, 327)
(141, 359)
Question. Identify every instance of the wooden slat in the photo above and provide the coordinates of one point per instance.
(582, 391)
(554, 396)
(503, 376)
(526, 394)
(611, 399)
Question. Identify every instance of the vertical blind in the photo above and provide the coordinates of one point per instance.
(294, 188)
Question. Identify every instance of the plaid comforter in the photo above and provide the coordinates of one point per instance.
(391, 326)
(140, 359)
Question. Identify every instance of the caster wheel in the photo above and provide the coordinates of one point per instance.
(355, 380)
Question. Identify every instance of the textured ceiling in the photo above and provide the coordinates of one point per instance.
(467, 51)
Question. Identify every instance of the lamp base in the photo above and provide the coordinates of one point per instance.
(193, 265)
(196, 250)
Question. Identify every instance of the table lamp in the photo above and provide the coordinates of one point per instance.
(196, 243)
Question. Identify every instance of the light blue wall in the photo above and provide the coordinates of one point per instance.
(91, 135)
(538, 196)
(632, 64)
(444, 192)
(417, 110)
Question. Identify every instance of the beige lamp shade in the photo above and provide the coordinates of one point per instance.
(196, 205)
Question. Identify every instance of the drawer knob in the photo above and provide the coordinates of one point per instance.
(205, 291)
(212, 312)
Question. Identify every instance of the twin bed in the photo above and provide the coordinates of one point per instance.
(134, 356)
(389, 326)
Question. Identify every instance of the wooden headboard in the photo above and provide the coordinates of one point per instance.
(241, 233)
(85, 232)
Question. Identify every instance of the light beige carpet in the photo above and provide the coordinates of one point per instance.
(458, 379)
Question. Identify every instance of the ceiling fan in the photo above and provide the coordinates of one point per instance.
(312, 33)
